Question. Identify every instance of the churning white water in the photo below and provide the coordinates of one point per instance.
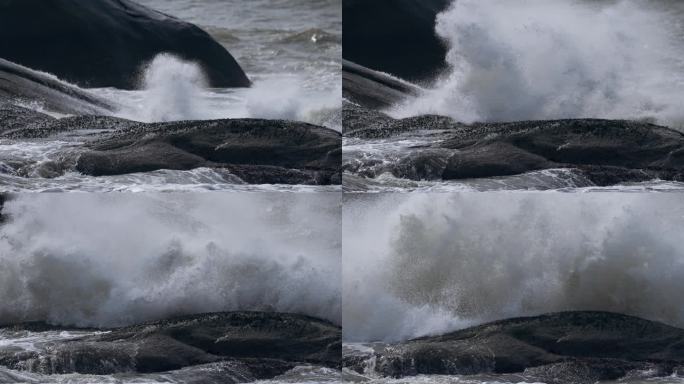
(110, 259)
(548, 59)
(417, 264)
(173, 89)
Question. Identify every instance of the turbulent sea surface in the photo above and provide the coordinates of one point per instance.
(539, 60)
(291, 51)
(110, 260)
(428, 264)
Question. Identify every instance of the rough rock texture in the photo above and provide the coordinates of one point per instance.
(104, 43)
(18, 83)
(394, 36)
(571, 347)
(607, 151)
(373, 89)
(257, 151)
(277, 147)
(261, 345)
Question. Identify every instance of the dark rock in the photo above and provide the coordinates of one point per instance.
(373, 89)
(362, 122)
(18, 83)
(104, 43)
(394, 36)
(590, 371)
(301, 148)
(573, 347)
(263, 344)
(608, 152)
(496, 159)
(257, 151)
(22, 123)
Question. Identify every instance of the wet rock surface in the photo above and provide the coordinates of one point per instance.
(608, 152)
(18, 83)
(256, 345)
(568, 347)
(372, 89)
(257, 151)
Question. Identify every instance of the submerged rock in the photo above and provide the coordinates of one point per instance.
(104, 43)
(568, 347)
(394, 36)
(257, 345)
(608, 152)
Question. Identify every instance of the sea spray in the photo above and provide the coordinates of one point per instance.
(174, 89)
(550, 59)
(432, 263)
(109, 260)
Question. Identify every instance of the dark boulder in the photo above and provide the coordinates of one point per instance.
(394, 36)
(265, 147)
(608, 152)
(495, 159)
(255, 150)
(104, 43)
(581, 346)
(259, 345)
(21, 84)
(373, 89)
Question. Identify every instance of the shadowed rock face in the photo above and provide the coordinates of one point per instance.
(21, 83)
(608, 152)
(570, 347)
(372, 89)
(258, 344)
(394, 36)
(104, 43)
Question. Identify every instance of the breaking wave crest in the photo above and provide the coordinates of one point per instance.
(109, 260)
(549, 59)
(431, 263)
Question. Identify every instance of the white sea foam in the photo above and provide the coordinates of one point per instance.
(430, 263)
(545, 59)
(174, 89)
(109, 259)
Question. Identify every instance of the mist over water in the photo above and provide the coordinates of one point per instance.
(549, 59)
(173, 89)
(110, 260)
(432, 263)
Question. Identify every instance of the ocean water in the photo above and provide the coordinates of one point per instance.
(538, 60)
(108, 260)
(291, 50)
(558, 59)
(431, 263)
(424, 264)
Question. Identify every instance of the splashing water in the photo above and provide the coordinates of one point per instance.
(106, 259)
(549, 59)
(174, 89)
(432, 263)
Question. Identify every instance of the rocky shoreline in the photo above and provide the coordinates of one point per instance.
(245, 345)
(567, 347)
